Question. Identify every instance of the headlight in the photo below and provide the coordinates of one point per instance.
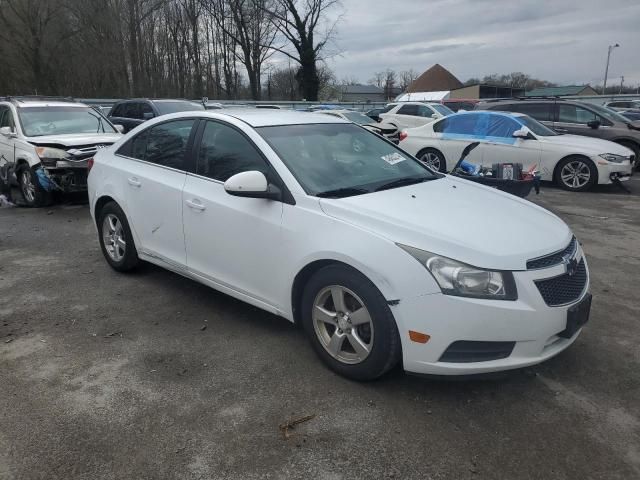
(462, 280)
(49, 153)
(613, 158)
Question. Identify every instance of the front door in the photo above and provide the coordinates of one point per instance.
(501, 147)
(153, 184)
(233, 242)
(573, 119)
(7, 144)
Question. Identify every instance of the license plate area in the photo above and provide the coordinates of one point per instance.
(577, 317)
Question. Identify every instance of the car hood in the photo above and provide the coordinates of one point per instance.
(459, 219)
(589, 145)
(76, 140)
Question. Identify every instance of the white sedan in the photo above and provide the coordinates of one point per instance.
(278, 209)
(574, 162)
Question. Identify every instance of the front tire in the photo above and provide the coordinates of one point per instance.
(350, 324)
(434, 159)
(116, 240)
(32, 192)
(576, 174)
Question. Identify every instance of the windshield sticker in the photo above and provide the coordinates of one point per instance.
(393, 158)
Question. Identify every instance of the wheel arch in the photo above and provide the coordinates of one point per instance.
(580, 156)
(304, 275)
(100, 203)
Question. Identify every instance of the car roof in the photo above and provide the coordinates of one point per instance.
(45, 103)
(490, 112)
(265, 117)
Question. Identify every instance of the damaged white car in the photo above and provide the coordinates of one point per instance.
(46, 144)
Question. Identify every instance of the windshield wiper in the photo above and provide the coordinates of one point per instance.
(403, 182)
(99, 122)
(342, 192)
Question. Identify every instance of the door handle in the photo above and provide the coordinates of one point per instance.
(195, 205)
(134, 182)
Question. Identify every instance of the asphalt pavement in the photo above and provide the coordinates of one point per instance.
(153, 376)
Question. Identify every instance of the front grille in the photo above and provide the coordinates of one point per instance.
(464, 351)
(564, 288)
(554, 258)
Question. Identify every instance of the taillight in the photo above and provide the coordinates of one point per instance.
(89, 164)
(403, 135)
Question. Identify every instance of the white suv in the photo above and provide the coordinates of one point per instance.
(45, 145)
(414, 114)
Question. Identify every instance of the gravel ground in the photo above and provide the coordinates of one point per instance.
(152, 376)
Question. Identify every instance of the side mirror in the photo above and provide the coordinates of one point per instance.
(119, 128)
(147, 115)
(523, 133)
(434, 115)
(251, 184)
(8, 132)
(595, 124)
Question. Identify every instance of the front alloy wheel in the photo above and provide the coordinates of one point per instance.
(342, 324)
(349, 323)
(113, 237)
(576, 174)
(434, 159)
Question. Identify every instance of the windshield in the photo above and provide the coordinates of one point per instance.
(40, 121)
(338, 160)
(609, 114)
(358, 118)
(536, 127)
(441, 109)
(177, 106)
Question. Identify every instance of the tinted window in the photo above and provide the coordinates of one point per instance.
(388, 107)
(224, 151)
(620, 104)
(131, 110)
(408, 110)
(145, 108)
(543, 112)
(116, 111)
(5, 117)
(164, 144)
(573, 114)
(177, 106)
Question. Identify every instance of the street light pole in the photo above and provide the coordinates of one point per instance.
(606, 70)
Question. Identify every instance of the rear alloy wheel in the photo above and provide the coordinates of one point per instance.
(434, 159)
(115, 238)
(349, 323)
(576, 174)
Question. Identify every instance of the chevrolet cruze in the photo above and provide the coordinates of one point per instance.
(330, 226)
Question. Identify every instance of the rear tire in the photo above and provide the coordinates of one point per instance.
(576, 174)
(32, 192)
(350, 324)
(116, 240)
(433, 158)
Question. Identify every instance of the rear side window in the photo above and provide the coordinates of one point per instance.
(543, 112)
(131, 110)
(164, 144)
(224, 151)
(409, 110)
(146, 108)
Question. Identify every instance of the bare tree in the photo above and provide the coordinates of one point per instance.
(407, 77)
(378, 79)
(298, 21)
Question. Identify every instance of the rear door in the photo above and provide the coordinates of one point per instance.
(152, 168)
(232, 242)
(455, 133)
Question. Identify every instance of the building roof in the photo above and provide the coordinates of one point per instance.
(362, 89)
(423, 96)
(437, 78)
(557, 91)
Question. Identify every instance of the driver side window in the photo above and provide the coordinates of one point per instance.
(6, 118)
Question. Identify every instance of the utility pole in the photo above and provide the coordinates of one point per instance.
(621, 83)
(606, 70)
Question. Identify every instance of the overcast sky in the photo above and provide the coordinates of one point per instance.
(564, 41)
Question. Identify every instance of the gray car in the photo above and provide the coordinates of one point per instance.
(576, 118)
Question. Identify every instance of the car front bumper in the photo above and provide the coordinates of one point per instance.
(609, 172)
(528, 322)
